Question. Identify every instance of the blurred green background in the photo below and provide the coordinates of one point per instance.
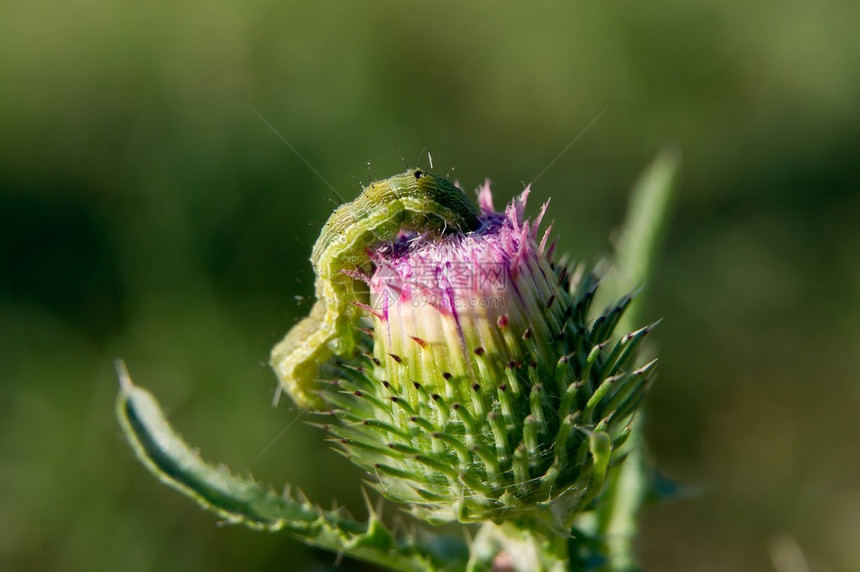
(146, 212)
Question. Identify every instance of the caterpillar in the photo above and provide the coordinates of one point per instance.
(414, 200)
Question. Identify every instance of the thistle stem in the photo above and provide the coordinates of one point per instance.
(519, 546)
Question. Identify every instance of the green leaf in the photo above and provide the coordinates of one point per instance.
(640, 240)
(243, 501)
(644, 228)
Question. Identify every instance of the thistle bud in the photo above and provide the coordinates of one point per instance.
(490, 389)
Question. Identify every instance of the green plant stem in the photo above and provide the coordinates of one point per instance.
(524, 546)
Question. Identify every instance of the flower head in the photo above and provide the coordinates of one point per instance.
(490, 389)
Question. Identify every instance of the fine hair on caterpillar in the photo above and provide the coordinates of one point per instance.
(415, 201)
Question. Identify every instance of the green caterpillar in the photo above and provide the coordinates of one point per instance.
(414, 200)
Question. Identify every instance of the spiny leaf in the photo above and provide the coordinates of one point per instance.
(246, 502)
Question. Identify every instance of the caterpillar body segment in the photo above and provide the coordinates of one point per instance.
(414, 200)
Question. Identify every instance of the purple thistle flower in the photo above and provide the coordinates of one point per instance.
(489, 391)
